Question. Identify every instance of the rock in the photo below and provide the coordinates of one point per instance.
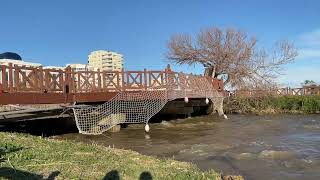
(112, 119)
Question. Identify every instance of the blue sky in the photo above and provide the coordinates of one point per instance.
(65, 31)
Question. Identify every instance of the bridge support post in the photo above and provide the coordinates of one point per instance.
(115, 128)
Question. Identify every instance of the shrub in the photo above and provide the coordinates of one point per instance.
(305, 104)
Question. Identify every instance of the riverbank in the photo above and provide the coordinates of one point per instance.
(26, 157)
(273, 104)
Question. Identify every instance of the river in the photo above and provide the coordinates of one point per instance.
(257, 147)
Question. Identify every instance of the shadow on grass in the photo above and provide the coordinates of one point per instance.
(11, 173)
(114, 175)
(145, 176)
(7, 148)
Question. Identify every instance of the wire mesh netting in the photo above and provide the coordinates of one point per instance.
(140, 105)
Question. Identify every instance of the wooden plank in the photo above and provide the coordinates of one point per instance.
(34, 98)
(99, 80)
(4, 78)
(94, 96)
(79, 83)
(10, 76)
(123, 81)
(16, 78)
(145, 79)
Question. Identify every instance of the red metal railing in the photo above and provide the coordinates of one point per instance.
(27, 79)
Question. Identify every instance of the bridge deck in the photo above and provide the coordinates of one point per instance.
(26, 85)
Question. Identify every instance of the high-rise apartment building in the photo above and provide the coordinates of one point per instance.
(106, 60)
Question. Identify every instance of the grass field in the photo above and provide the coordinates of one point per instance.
(30, 157)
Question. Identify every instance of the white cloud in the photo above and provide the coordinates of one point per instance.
(311, 38)
(308, 53)
(308, 64)
(307, 68)
(309, 45)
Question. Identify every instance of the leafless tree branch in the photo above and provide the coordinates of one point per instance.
(233, 54)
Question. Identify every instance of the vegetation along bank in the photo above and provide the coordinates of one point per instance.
(273, 104)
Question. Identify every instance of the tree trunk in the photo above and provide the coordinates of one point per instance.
(213, 72)
(210, 72)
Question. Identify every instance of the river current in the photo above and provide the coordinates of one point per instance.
(256, 147)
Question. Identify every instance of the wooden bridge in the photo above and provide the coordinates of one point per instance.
(29, 85)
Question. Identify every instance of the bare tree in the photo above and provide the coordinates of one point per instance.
(232, 55)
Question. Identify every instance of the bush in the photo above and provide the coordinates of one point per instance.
(289, 104)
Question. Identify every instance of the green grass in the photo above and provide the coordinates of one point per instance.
(30, 157)
(272, 104)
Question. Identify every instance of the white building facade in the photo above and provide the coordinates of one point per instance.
(18, 62)
(106, 60)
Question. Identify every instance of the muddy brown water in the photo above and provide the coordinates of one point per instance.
(257, 147)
